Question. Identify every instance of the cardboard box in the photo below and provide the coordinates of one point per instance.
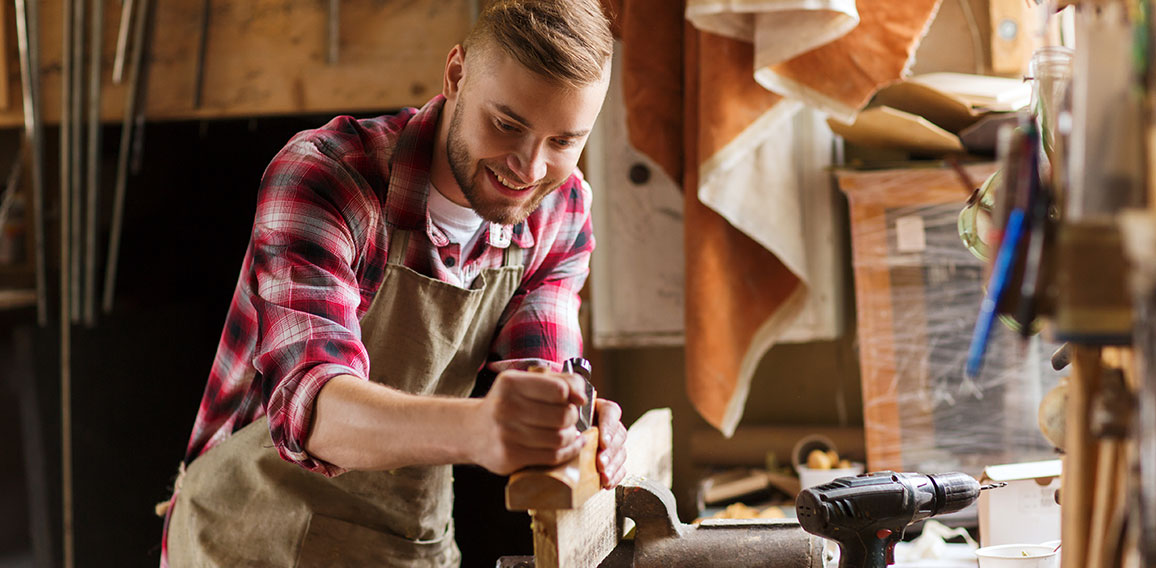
(1024, 512)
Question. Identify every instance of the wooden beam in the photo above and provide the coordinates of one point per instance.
(750, 445)
(1011, 42)
(1080, 459)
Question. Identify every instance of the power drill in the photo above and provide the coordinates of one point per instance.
(867, 514)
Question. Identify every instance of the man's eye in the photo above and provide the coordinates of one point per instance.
(505, 126)
(563, 142)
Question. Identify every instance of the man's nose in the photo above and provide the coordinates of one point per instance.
(529, 164)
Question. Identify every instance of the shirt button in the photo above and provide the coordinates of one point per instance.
(450, 261)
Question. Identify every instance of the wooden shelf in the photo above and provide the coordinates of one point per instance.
(12, 299)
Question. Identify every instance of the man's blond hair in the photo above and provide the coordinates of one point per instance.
(568, 41)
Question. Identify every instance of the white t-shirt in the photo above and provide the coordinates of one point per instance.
(461, 225)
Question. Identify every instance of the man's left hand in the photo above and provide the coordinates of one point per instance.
(611, 442)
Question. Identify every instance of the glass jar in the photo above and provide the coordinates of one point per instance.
(1051, 75)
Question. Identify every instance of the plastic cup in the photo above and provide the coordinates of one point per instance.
(1017, 556)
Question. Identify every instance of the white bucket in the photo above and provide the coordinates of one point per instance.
(1017, 556)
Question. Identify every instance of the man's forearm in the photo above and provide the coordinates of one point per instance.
(361, 425)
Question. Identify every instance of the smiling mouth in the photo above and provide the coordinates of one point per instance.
(509, 184)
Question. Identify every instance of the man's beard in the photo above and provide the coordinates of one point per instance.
(494, 209)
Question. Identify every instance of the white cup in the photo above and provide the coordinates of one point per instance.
(1017, 556)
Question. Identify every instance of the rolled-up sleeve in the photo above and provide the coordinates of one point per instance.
(305, 247)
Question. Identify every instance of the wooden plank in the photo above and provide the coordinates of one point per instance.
(751, 445)
(267, 57)
(1011, 42)
(576, 538)
(584, 536)
(13, 299)
(1080, 459)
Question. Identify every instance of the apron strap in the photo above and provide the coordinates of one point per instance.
(512, 256)
(397, 247)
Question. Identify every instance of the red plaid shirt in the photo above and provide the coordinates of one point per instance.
(328, 206)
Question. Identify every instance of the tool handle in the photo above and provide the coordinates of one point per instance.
(873, 553)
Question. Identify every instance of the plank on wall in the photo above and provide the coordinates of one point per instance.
(268, 57)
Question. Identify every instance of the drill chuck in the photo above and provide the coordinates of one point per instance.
(954, 491)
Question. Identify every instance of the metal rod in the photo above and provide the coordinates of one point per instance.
(10, 186)
(75, 152)
(202, 44)
(65, 297)
(93, 169)
(28, 40)
(138, 35)
(27, 34)
(334, 31)
(136, 158)
(66, 75)
(126, 10)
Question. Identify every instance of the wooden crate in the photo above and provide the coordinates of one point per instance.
(917, 292)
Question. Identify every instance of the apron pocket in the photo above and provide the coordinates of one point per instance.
(331, 543)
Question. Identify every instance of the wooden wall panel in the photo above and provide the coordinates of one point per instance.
(265, 57)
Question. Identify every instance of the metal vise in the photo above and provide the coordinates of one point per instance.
(661, 540)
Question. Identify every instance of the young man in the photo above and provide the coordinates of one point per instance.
(390, 260)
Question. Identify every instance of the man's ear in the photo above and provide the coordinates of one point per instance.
(455, 71)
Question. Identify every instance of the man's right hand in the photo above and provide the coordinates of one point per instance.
(527, 419)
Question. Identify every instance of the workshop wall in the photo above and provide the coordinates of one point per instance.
(261, 57)
(140, 372)
(805, 384)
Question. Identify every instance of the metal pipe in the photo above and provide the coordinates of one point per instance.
(93, 166)
(66, 64)
(10, 187)
(138, 35)
(126, 10)
(65, 277)
(27, 34)
(75, 151)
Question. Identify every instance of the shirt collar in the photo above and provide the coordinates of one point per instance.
(406, 202)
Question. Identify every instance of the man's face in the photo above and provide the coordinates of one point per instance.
(515, 136)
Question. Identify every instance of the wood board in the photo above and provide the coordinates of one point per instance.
(582, 537)
(265, 57)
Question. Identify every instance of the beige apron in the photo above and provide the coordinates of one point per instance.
(240, 504)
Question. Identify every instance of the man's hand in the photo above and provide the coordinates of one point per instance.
(528, 419)
(611, 442)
